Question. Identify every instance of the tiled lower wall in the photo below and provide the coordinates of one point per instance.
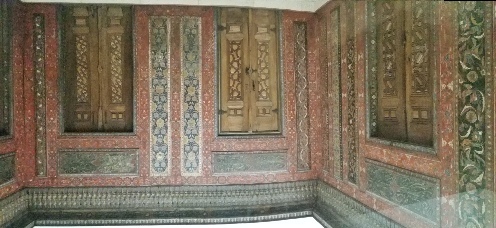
(186, 204)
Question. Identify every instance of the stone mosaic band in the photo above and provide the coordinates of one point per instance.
(193, 204)
(249, 162)
(7, 168)
(415, 192)
(98, 162)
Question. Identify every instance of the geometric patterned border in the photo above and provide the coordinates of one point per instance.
(160, 137)
(191, 100)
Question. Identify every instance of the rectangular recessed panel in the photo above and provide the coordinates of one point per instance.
(7, 168)
(415, 192)
(249, 162)
(98, 162)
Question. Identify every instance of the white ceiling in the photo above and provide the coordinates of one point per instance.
(298, 5)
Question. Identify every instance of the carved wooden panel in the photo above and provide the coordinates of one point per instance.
(404, 71)
(391, 64)
(248, 71)
(98, 85)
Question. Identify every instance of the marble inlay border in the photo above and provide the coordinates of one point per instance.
(191, 96)
(301, 77)
(352, 136)
(40, 93)
(475, 105)
(160, 122)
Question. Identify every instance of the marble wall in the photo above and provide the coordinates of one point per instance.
(175, 139)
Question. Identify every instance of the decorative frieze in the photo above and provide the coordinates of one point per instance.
(249, 162)
(412, 191)
(191, 96)
(98, 162)
(160, 136)
(301, 77)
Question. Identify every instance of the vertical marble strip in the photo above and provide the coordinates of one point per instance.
(323, 66)
(40, 93)
(301, 77)
(371, 79)
(336, 144)
(5, 69)
(475, 87)
(160, 137)
(351, 95)
(191, 100)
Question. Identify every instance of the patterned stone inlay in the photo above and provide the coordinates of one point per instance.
(372, 69)
(13, 206)
(160, 136)
(351, 95)
(191, 101)
(98, 162)
(415, 192)
(474, 77)
(243, 162)
(170, 197)
(7, 167)
(116, 68)
(40, 93)
(336, 144)
(300, 30)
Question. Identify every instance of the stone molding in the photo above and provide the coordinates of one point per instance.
(185, 205)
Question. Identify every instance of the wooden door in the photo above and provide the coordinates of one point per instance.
(249, 73)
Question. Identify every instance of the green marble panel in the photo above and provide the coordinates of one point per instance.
(98, 162)
(236, 162)
(7, 168)
(412, 191)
